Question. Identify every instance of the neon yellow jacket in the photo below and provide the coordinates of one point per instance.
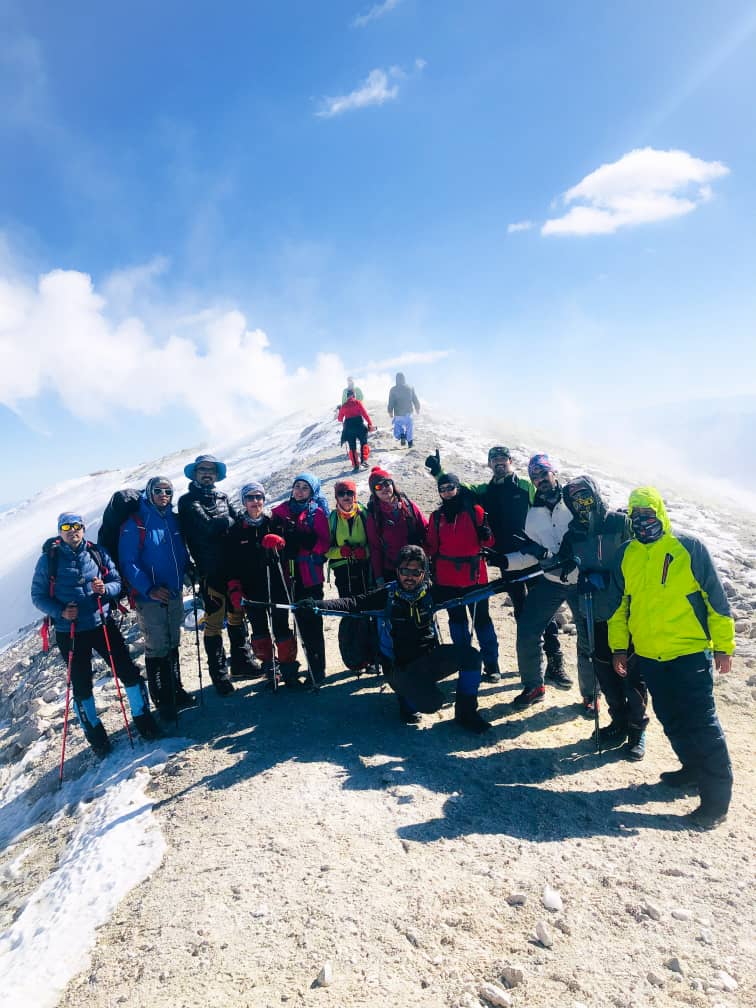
(667, 595)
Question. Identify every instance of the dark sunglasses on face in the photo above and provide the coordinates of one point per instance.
(254, 497)
(71, 527)
(162, 490)
(345, 493)
(412, 572)
(446, 488)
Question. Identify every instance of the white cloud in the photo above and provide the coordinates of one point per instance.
(375, 91)
(375, 12)
(62, 336)
(644, 186)
(523, 225)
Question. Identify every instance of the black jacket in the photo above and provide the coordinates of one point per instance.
(245, 560)
(205, 516)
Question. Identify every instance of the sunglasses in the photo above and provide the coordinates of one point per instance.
(71, 527)
(162, 491)
(345, 493)
(412, 572)
(383, 484)
(205, 470)
(254, 497)
(447, 488)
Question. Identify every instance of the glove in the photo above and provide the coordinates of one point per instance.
(359, 553)
(346, 551)
(307, 604)
(371, 429)
(273, 541)
(484, 532)
(433, 463)
(235, 594)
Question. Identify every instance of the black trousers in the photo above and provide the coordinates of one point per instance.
(87, 641)
(416, 682)
(626, 698)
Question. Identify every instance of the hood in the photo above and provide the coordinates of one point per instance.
(647, 496)
(585, 482)
(400, 380)
(312, 481)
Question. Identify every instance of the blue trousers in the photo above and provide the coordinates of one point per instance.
(404, 425)
(683, 698)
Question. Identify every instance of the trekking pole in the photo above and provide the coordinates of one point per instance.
(269, 617)
(592, 651)
(68, 700)
(296, 622)
(173, 667)
(196, 641)
(113, 669)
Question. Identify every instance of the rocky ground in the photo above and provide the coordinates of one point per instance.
(319, 852)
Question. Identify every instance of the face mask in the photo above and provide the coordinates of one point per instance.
(551, 495)
(646, 529)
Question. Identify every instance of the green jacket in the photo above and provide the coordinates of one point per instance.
(667, 595)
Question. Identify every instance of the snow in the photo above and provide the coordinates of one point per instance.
(115, 845)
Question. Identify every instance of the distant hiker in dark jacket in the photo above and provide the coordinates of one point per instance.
(506, 499)
(357, 423)
(302, 523)
(401, 402)
(416, 660)
(153, 560)
(593, 541)
(667, 597)
(545, 528)
(393, 521)
(75, 591)
(252, 571)
(348, 554)
(457, 534)
(206, 515)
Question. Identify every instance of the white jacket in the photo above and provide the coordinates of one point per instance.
(547, 528)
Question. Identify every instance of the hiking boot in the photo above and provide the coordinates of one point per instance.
(223, 686)
(636, 744)
(684, 779)
(466, 714)
(555, 674)
(365, 465)
(147, 726)
(528, 697)
(587, 706)
(98, 740)
(243, 665)
(406, 713)
(185, 700)
(614, 733)
(410, 444)
(491, 671)
(357, 469)
(706, 817)
(403, 441)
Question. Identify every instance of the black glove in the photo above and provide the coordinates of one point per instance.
(566, 556)
(433, 463)
(484, 532)
(307, 604)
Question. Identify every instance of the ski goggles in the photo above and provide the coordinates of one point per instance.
(254, 497)
(163, 491)
(410, 572)
(383, 484)
(71, 527)
(583, 501)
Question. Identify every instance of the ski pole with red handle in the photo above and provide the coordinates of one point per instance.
(113, 669)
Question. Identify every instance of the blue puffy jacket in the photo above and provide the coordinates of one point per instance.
(159, 561)
(74, 574)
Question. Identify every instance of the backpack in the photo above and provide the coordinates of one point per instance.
(50, 550)
(482, 531)
(122, 507)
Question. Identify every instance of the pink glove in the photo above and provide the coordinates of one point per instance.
(346, 551)
(359, 553)
(273, 541)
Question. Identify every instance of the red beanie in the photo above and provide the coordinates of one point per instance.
(345, 485)
(376, 475)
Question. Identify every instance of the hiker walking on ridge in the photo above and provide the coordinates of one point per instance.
(351, 387)
(357, 424)
(401, 402)
(74, 584)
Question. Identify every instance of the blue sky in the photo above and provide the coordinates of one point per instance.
(210, 213)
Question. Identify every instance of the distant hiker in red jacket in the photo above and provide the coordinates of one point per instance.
(357, 424)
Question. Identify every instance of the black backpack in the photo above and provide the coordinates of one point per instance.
(121, 506)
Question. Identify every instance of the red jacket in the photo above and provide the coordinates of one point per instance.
(454, 547)
(389, 527)
(353, 408)
(308, 560)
